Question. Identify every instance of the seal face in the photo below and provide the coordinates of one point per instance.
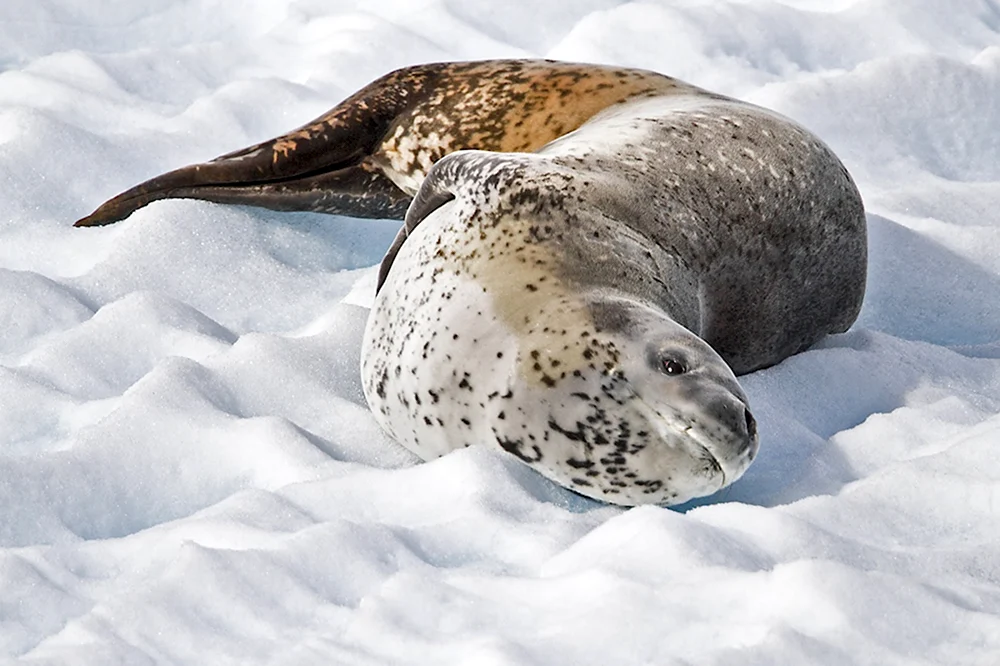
(585, 306)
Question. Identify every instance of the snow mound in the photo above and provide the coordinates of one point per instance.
(188, 470)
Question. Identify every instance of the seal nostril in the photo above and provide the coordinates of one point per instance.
(751, 423)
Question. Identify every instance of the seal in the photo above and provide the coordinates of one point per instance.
(587, 303)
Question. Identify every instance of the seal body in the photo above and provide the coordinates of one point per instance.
(591, 256)
(587, 307)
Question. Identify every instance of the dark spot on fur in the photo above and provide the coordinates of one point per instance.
(515, 447)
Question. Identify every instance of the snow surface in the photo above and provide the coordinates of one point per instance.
(188, 471)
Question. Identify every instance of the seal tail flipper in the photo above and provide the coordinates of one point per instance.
(324, 166)
(358, 191)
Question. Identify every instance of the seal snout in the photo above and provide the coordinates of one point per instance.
(736, 430)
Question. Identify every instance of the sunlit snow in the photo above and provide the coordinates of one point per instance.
(188, 470)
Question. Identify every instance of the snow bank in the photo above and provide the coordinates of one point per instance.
(188, 471)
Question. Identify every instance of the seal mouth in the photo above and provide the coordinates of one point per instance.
(714, 463)
(673, 427)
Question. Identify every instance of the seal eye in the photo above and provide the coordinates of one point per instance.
(673, 367)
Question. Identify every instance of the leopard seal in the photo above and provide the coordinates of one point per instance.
(586, 299)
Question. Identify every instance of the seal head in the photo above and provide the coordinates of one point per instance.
(653, 415)
(698, 432)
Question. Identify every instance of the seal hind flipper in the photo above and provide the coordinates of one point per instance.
(323, 166)
(357, 191)
(368, 156)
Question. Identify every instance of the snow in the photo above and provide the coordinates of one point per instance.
(188, 471)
